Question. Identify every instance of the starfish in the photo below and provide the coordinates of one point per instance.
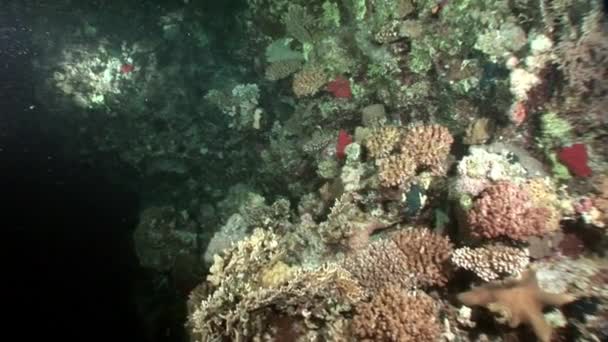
(517, 301)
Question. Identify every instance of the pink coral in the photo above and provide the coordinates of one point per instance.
(504, 209)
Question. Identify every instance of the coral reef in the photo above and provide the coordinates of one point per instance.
(427, 254)
(505, 209)
(420, 148)
(329, 165)
(379, 265)
(396, 315)
(491, 262)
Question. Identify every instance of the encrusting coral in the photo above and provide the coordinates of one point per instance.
(517, 302)
(397, 315)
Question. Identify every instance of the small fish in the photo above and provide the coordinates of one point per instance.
(440, 5)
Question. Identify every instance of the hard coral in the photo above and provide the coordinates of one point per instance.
(422, 148)
(427, 254)
(311, 298)
(383, 140)
(347, 226)
(308, 81)
(504, 209)
(395, 169)
(491, 262)
(396, 315)
(429, 145)
(379, 265)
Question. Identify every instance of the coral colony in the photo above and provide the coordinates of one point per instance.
(363, 170)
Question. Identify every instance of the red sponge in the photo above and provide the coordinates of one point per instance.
(575, 158)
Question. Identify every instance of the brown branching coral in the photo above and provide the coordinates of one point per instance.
(395, 169)
(421, 148)
(429, 145)
(427, 254)
(492, 261)
(504, 209)
(378, 265)
(383, 140)
(308, 81)
(397, 315)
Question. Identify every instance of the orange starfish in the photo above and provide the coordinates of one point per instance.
(517, 301)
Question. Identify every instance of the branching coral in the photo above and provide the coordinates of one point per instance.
(429, 145)
(383, 140)
(251, 289)
(427, 254)
(308, 81)
(505, 209)
(397, 315)
(543, 194)
(396, 169)
(347, 225)
(411, 258)
(421, 148)
(491, 262)
(245, 261)
(282, 69)
(378, 265)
